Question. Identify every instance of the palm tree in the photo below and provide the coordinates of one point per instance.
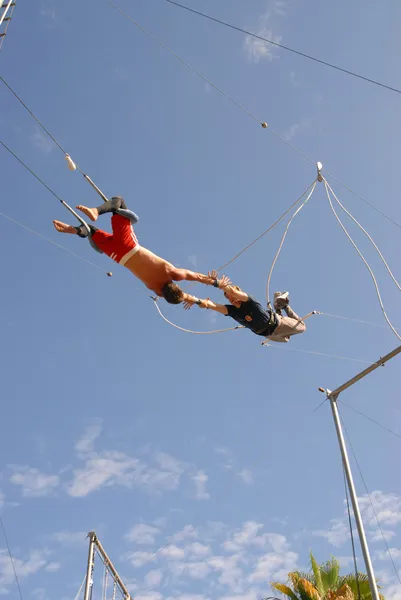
(324, 582)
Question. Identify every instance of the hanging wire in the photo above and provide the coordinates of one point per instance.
(368, 236)
(370, 501)
(370, 419)
(283, 239)
(105, 582)
(80, 589)
(363, 259)
(352, 535)
(274, 43)
(11, 558)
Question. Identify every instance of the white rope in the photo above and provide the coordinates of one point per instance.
(105, 582)
(363, 259)
(368, 236)
(189, 330)
(313, 186)
(80, 589)
(351, 319)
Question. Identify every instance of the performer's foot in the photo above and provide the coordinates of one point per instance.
(281, 300)
(64, 228)
(91, 213)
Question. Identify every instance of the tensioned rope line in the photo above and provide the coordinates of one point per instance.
(324, 314)
(370, 500)
(283, 239)
(363, 259)
(80, 589)
(351, 534)
(273, 43)
(11, 558)
(217, 88)
(369, 418)
(264, 124)
(368, 236)
(280, 347)
(268, 229)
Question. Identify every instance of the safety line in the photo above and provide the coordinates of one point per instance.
(370, 500)
(11, 558)
(266, 230)
(189, 330)
(363, 259)
(351, 319)
(370, 418)
(264, 124)
(273, 43)
(318, 353)
(368, 236)
(80, 589)
(283, 239)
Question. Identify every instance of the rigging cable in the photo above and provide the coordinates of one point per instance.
(352, 535)
(249, 113)
(11, 558)
(283, 239)
(370, 501)
(363, 259)
(274, 43)
(369, 418)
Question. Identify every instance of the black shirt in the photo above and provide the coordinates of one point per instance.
(259, 317)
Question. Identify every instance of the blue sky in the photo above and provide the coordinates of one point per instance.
(114, 421)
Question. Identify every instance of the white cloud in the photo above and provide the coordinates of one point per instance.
(116, 468)
(200, 480)
(378, 535)
(230, 573)
(294, 129)
(142, 534)
(149, 596)
(249, 535)
(153, 578)
(247, 476)
(197, 550)
(33, 482)
(386, 506)
(34, 563)
(393, 592)
(53, 567)
(42, 142)
(172, 552)
(139, 559)
(384, 555)
(188, 532)
(337, 535)
(69, 538)
(274, 566)
(86, 441)
(193, 260)
(258, 49)
(48, 13)
(189, 597)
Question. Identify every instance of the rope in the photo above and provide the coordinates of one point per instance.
(319, 353)
(369, 418)
(350, 319)
(363, 259)
(80, 589)
(370, 500)
(105, 582)
(247, 111)
(273, 43)
(369, 238)
(11, 558)
(283, 239)
(352, 535)
(266, 230)
(72, 165)
(189, 330)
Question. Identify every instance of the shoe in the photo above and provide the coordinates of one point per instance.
(281, 300)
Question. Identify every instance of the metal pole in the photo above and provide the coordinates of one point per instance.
(112, 568)
(354, 499)
(89, 570)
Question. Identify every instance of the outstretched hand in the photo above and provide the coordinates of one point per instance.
(224, 281)
(188, 304)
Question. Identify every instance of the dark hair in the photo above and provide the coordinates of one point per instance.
(173, 293)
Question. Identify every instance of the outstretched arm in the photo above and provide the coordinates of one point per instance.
(187, 275)
(236, 294)
(206, 303)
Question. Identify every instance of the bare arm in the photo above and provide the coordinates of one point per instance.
(187, 275)
(207, 303)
